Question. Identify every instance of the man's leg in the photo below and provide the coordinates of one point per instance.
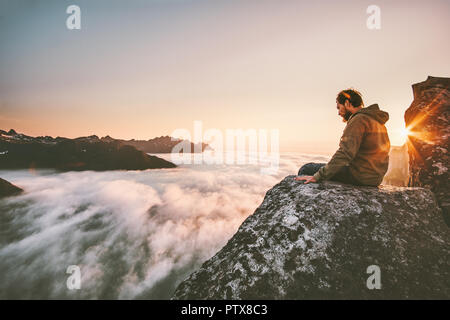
(310, 169)
(345, 176)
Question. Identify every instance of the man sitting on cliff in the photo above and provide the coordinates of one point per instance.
(363, 154)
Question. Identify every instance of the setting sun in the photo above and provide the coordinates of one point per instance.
(404, 133)
(399, 136)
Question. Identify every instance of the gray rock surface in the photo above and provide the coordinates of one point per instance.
(428, 118)
(316, 241)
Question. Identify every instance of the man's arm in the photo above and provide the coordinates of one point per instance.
(348, 147)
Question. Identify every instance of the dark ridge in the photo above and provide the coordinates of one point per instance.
(18, 151)
(8, 189)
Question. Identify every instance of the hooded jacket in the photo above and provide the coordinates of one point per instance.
(364, 147)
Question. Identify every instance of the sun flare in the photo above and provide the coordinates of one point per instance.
(404, 134)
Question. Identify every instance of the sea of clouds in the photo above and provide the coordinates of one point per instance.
(134, 234)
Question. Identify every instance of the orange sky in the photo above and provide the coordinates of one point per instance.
(141, 69)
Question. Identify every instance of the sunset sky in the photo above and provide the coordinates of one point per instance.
(141, 69)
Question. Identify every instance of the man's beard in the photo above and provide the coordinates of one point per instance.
(347, 116)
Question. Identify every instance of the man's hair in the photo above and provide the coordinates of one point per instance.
(352, 95)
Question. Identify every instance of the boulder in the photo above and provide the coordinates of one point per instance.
(325, 241)
(8, 189)
(428, 119)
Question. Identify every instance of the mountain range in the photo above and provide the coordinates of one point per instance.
(19, 151)
(163, 144)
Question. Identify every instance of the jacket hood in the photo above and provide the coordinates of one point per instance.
(374, 112)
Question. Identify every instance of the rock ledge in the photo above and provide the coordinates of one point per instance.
(316, 241)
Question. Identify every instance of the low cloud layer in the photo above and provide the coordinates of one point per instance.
(134, 234)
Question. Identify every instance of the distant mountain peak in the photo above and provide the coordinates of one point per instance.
(162, 144)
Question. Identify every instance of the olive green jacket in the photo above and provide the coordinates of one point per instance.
(364, 147)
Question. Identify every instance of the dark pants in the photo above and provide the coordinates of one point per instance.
(342, 175)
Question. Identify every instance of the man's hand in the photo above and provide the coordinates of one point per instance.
(307, 179)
